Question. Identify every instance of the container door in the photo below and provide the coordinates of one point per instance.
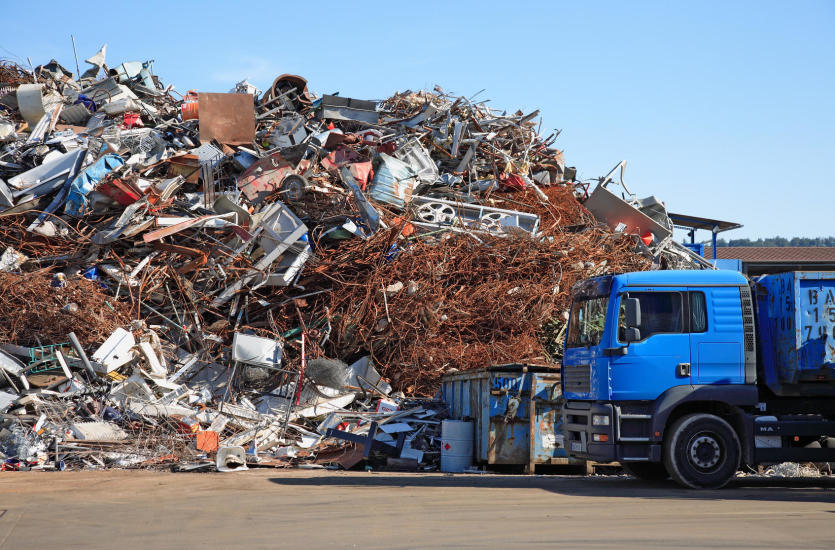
(548, 439)
(816, 299)
(661, 358)
(509, 418)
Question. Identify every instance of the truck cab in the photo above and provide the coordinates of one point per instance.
(660, 374)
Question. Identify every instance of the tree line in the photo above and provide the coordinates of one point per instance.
(780, 241)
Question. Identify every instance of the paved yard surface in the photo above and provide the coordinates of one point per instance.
(314, 509)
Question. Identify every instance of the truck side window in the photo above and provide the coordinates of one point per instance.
(661, 312)
(698, 312)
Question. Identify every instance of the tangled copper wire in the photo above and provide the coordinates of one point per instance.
(465, 302)
(36, 310)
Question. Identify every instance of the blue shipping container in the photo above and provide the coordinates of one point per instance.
(498, 400)
(797, 331)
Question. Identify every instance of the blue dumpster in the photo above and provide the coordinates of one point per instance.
(498, 400)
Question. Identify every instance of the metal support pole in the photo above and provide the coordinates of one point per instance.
(715, 232)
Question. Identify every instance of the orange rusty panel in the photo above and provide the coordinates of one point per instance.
(184, 165)
(228, 118)
(207, 441)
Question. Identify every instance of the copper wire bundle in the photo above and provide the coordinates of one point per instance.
(465, 302)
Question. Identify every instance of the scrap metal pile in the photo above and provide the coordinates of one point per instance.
(277, 278)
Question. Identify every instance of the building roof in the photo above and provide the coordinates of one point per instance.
(683, 221)
(774, 254)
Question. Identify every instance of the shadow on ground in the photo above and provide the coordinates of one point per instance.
(749, 489)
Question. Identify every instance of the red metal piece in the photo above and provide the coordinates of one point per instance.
(132, 120)
(121, 191)
(512, 182)
(264, 177)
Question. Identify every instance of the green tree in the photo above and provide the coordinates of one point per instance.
(780, 241)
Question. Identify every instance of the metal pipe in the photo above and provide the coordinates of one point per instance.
(83, 356)
(77, 69)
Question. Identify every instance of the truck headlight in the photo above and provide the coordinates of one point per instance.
(599, 420)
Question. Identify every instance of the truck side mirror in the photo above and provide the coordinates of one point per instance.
(631, 334)
(633, 312)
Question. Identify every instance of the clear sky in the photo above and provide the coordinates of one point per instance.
(722, 109)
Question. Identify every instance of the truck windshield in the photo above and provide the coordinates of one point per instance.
(588, 317)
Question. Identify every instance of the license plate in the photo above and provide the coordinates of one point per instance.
(576, 446)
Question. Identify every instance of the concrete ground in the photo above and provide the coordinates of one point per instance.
(314, 509)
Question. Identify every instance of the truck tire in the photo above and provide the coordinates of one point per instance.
(701, 451)
(648, 471)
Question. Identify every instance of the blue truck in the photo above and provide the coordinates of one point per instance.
(697, 374)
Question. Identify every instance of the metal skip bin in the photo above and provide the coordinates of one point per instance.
(498, 400)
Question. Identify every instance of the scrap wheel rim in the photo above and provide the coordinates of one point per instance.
(493, 221)
(435, 212)
(705, 452)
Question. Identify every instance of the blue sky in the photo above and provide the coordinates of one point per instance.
(722, 109)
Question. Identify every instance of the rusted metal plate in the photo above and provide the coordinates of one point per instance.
(228, 118)
(184, 165)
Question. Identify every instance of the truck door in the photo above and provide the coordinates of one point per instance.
(660, 359)
(716, 335)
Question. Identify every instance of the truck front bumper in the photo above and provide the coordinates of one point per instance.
(601, 441)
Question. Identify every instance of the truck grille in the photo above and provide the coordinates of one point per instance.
(750, 335)
(577, 378)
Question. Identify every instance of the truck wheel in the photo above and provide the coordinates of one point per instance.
(701, 451)
(648, 471)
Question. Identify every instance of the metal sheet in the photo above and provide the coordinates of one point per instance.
(254, 350)
(57, 169)
(228, 118)
(416, 156)
(346, 108)
(393, 183)
(612, 210)
(264, 177)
